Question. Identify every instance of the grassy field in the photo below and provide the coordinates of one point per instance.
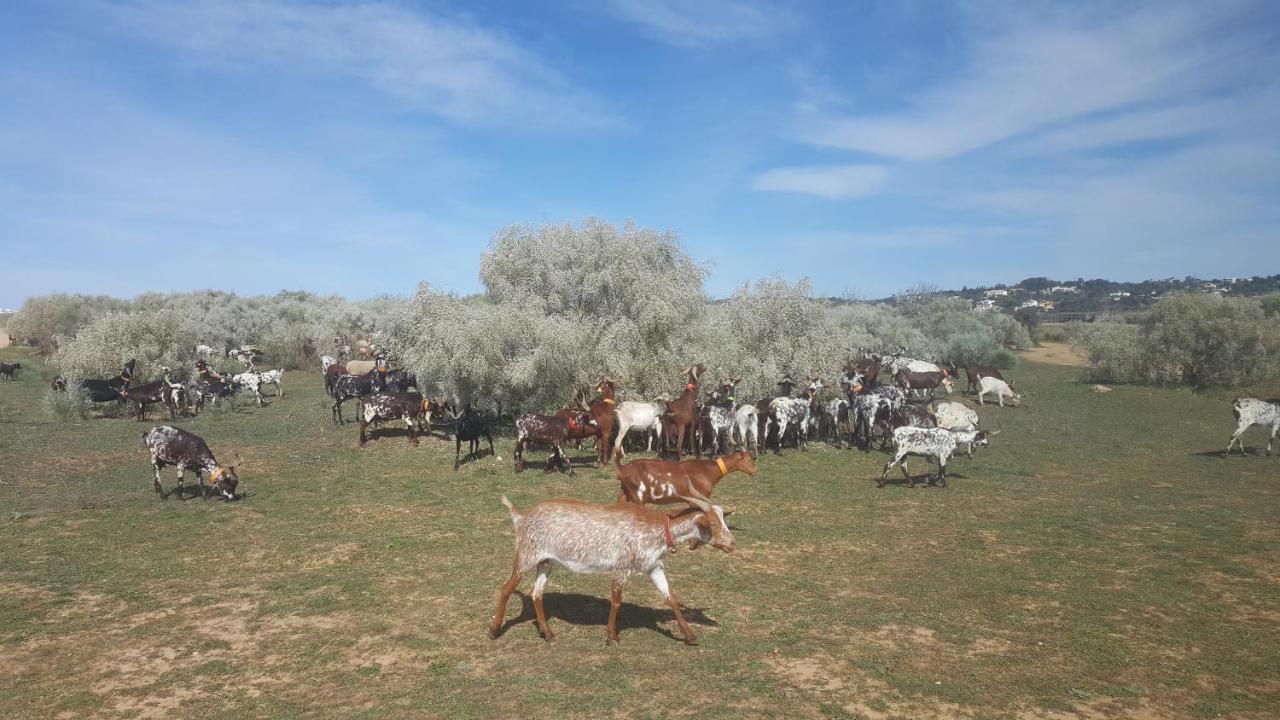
(1099, 560)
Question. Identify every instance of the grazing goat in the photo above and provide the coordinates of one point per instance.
(668, 481)
(682, 413)
(642, 416)
(380, 407)
(352, 387)
(999, 388)
(471, 425)
(620, 540)
(187, 451)
(934, 443)
(973, 373)
(1250, 412)
(956, 417)
(9, 370)
(109, 390)
(552, 431)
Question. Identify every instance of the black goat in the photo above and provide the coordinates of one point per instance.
(471, 425)
(10, 369)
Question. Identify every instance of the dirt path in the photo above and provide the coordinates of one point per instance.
(4, 337)
(1055, 353)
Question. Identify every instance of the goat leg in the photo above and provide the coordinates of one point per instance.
(504, 593)
(544, 568)
(615, 602)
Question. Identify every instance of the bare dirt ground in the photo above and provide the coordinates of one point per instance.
(1055, 353)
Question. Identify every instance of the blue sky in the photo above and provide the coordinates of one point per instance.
(359, 147)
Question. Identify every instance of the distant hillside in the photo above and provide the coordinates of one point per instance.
(1069, 297)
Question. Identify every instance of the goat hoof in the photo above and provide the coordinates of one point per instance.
(691, 640)
(613, 642)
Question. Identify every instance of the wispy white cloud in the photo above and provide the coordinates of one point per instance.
(435, 65)
(705, 22)
(1031, 73)
(835, 182)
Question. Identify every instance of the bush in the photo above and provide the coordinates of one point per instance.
(66, 406)
(1114, 350)
(1199, 340)
(1003, 359)
(104, 345)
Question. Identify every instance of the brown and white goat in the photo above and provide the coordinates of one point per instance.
(619, 540)
(667, 481)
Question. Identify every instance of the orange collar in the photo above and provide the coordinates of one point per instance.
(691, 386)
(426, 406)
(607, 400)
(666, 531)
(213, 476)
(723, 469)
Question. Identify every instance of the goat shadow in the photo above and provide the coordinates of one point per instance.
(469, 458)
(1250, 451)
(579, 609)
(920, 480)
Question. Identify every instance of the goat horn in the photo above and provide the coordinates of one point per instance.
(701, 504)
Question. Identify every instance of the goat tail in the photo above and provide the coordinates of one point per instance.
(515, 514)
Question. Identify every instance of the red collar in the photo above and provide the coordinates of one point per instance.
(692, 387)
(573, 424)
(666, 531)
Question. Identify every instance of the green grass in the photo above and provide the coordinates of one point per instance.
(1099, 557)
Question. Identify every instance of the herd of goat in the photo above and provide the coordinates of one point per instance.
(627, 537)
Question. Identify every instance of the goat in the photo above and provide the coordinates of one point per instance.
(352, 387)
(716, 419)
(835, 416)
(471, 425)
(204, 351)
(109, 390)
(682, 413)
(58, 384)
(326, 361)
(272, 377)
(249, 381)
(364, 367)
(9, 370)
(954, 416)
(922, 381)
(1000, 388)
(1250, 412)
(187, 451)
(668, 481)
(871, 404)
(617, 539)
(974, 373)
(331, 375)
(641, 416)
(602, 412)
(553, 431)
(382, 406)
(934, 443)
(790, 412)
(144, 395)
(746, 423)
(399, 380)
